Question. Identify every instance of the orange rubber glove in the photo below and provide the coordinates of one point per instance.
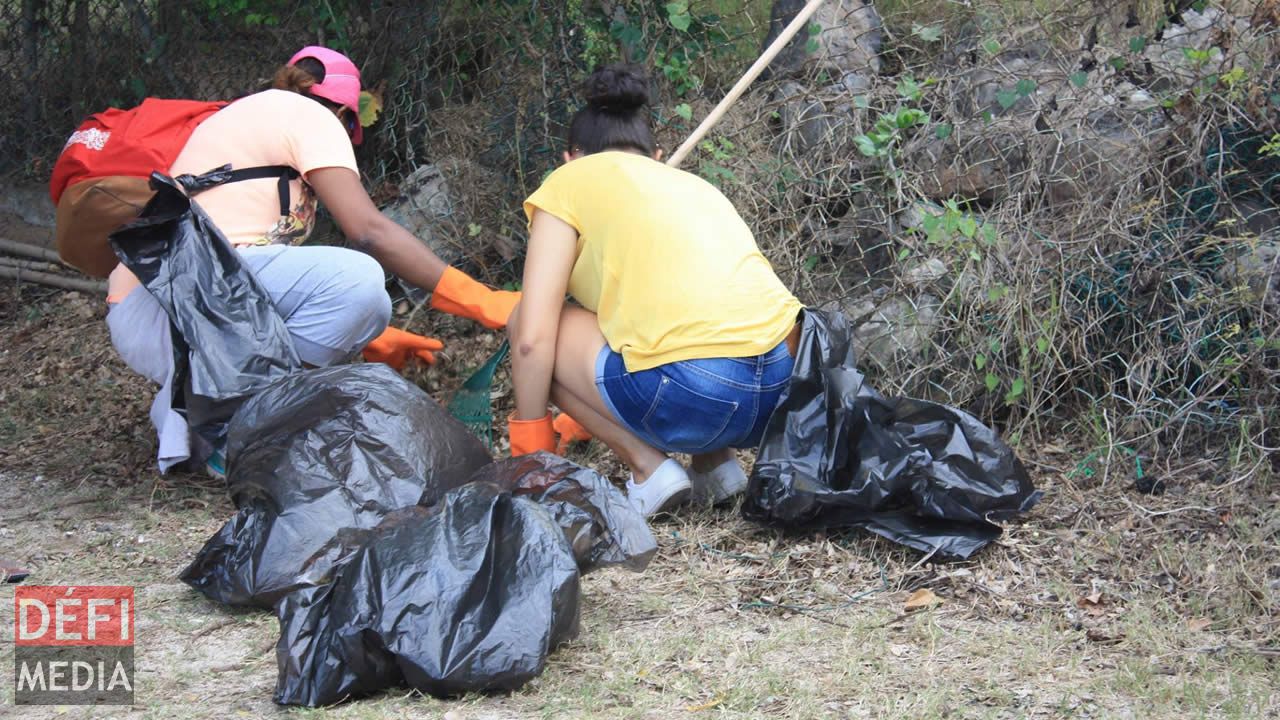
(459, 294)
(530, 436)
(570, 430)
(395, 347)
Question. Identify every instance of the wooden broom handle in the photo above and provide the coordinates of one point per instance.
(752, 73)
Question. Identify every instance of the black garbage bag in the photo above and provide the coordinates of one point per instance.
(600, 525)
(318, 452)
(837, 453)
(469, 595)
(228, 339)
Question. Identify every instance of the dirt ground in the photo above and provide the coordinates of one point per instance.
(1103, 602)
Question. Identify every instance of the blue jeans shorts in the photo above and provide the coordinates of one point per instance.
(696, 406)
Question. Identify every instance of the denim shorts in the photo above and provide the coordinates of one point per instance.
(696, 406)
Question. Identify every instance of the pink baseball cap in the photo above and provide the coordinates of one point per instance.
(341, 81)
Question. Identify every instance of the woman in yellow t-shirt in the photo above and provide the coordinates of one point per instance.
(684, 336)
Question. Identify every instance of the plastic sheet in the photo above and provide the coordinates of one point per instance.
(318, 452)
(469, 595)
(837, 453)
(228, 339)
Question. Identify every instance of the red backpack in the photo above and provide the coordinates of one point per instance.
(132, 143)
(101, 181)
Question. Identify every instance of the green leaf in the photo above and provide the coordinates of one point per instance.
(927, 33)
(861, 102)
(1006, 98)
(1015, 390)
(474, 229)
(370, 108)
(931, 224)
(1042, 345)
(814, 28)
(986, 116)
(992, 382)
(1118, 63)
(988, 234)
(943, 131)
(909, 117)
(678, 15)
(684, 111)
(968, 226)
(992, 47)
(811, 47)
(1079, 78)
(810, 263)
(979, 361)
(1137, 44)
(909, 88)
(867, 146)
(1025, 87)
(903, 254)
(975, 256)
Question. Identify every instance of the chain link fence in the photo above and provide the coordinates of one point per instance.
(1048, 213)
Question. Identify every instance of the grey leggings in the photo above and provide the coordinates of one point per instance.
(333, 301)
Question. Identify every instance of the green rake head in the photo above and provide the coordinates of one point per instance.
(471, 404)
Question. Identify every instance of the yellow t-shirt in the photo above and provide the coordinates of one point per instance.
(274, 127)
(665, 261)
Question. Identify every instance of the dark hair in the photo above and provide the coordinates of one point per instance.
(299, 77)
(616, 114)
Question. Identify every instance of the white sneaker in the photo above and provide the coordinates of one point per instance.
(666, 487)
(720, 484)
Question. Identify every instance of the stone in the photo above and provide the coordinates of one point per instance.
(1255, 266)
(859, 241)
(804, 121)
(26, 214)
(1197, 31)
(850, 34)
(979, 161)
(899, 330)
(980, 91)
(423, 207)
(890, 330)
(924, 273)
(1106, 148)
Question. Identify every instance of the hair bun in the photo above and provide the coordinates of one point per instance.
(618, 88)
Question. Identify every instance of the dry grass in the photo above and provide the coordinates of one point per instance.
(1104, 602)
(1141, 367)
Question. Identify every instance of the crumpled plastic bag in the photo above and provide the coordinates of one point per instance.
(442, 595)
(228, 339)
(469, 595)
(837, 453)
(318, 452)
(601, 526)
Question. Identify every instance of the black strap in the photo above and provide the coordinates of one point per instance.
(283, 172)
(221, 176)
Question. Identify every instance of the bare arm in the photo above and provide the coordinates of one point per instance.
(372, 232)
(549, 261)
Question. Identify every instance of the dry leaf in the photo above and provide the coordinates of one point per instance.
(1092, 604)
(1198, 624)
(1102, 637)
(921, 599)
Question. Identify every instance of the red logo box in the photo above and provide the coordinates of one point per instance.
(62, 615)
